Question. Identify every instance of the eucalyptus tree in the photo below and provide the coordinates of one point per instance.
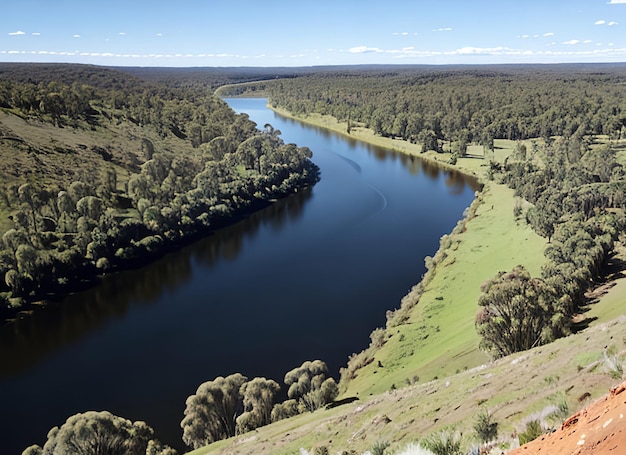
(258, 401)
(211, 413)
(309, 385)
(97, 433)
(518, 312)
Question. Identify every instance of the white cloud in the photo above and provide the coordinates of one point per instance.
(469, 50)
(616, 2)
(159, 34)
(76, 36)
(548, 34)
(587, 41)
(122, 33)
(600, 22)
(444, 29)
(613, 23)
(363, 50)
(19, 32)
(571, 42)
(36, 34)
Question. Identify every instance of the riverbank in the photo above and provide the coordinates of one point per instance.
(436, 337)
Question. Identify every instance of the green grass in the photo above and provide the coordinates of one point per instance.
(439, 338)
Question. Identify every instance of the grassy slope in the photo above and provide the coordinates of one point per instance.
(439, 340)
(48, 156)
(566, 370)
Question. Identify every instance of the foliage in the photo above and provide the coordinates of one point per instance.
(93, 433)
(445, 442)
(485, 427)
(309, 385)
(532, 431)
(613, 363)
(380, 447)
(518, 312)
(258, 400)
(463, 105)
(67, 232)
(211, 413)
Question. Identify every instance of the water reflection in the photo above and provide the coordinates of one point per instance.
(26, 341)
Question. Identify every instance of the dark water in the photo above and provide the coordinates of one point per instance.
(307, 278)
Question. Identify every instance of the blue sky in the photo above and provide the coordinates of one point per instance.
(304, 33)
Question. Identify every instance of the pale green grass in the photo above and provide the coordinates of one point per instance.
(440, 339)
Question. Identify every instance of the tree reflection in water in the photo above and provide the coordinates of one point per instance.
(26, 341)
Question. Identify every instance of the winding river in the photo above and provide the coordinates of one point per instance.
(309, 277)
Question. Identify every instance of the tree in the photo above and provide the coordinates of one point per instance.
(518, 312)
(211, 414)
(308, 384)
(428, 139)
(485, 427)
(285, 410)
(258, 400)
(100, 433)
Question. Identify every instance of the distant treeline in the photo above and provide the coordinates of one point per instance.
(465, 105)
(64, 234)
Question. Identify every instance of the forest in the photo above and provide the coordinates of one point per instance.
(105, 171)
(464, 105)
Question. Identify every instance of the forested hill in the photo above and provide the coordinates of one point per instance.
(101, 169)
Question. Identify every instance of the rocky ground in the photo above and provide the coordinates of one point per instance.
(598, 429)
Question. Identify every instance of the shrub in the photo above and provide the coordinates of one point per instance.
(445, 442)
(486, 429)
(532, 432)
(379, 448)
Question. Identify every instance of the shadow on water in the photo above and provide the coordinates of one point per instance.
(25, 342)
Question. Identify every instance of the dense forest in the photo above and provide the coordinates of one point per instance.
(104, 170)
(464, 104)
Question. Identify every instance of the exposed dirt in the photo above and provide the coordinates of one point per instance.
(599, 429)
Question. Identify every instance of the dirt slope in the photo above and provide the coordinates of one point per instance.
(599, 429)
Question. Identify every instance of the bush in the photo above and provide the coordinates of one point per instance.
(444, 442)
(532, 432)
(486, 429)
(379, 448)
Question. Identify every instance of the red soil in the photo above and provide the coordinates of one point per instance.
(599, 429)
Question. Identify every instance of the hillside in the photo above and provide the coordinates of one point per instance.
(515, 390)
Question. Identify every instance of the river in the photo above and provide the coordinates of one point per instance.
(307, 278)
